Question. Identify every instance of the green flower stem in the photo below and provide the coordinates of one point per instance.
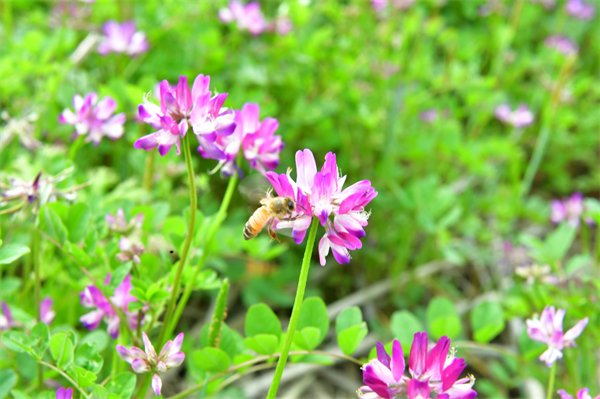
(551, 382)
(214, 227)
(38, 285)
(296, 310)
(167, 324)
(214, 332)
(75, 147)
(259, 359)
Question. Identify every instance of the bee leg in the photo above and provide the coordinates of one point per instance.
(273, 234)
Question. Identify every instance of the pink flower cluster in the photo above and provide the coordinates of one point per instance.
(580, 9)
(261, 147)
(94, 119)
(250, 17)
(520, 117)
(92, 297)
(433, 371)
(142, 362)
(549, 330)
(47, 315)
(122, 38)
(380, 5)
(582, 394)
(321, 194)
(570, 210)
(181, 108)
(562, 44)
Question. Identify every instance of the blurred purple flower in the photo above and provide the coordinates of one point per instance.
(548, 4)
(46, 313)
(118, 224)
(562, 44)
(92, 297)
(122, 38)
(380, 5)
(549, 330)
(181, 108)
(22, 128)
(248, 17)
(429, 115)
(95, 121)
(429, 371)
(582, 394)
(142, 362)
(130, 251)
(580, 9)
(520, 117)
(281, 25)
(6, 320)
(63, 393)
(321, 194)
(569, 209)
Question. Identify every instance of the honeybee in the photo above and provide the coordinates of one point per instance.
(281, 208)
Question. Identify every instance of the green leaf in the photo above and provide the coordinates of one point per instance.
(159, 296)
(77, 223)
(442, 318)
(350, 338)
(404, 326)
(54, 225)
(558, 242)
(122, 385)
(79, 254)
(265, 344)
(314, 314)
(91, 239)
(99, 392)
(16, 394)
(12, 252)
(17, 341)
(487, 321)
(87, 356)
(99, 337)
(308, 338)
(348, 318)
(134, 306)
(61, 348)
(8, 379)
(119, 275)
(40, 339)
(260, 319)
(85, 378)
(211, 359)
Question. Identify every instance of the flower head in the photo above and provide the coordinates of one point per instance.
(122, 38)
(549, 330)
(520, 117)
(117, 223)
(580, 9)
(94, 119)
(570, 209)
(434, 371)
(380, 5)
(47, 315)
(63, 393)
(181, 108)
(22, 128)
(340, 210)
(582, 394)
(6, 320)
(130, 251)
(248, 17)
(92, 297)
(145, 361)
(562, 44)
(429, 115)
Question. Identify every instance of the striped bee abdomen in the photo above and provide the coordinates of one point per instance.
(256, 223)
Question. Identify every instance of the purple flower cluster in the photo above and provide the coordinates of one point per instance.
(181, 108)
(122, 38)
(92, 297)
(380, 5)
(562, 44)
(142, 362)
(47, 315)
(130, 251)
(6, 320)
(580, 9)
(94, 120)
(433, 371)
(520, 117)
(62, 393)
(261, 147)
(250, 17)
(582, 394)
(118, 224)
(321, 194)
(549, 330)
(569, 209)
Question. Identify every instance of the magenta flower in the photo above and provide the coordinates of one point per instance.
(6, 320)
(260, 146)
(582, 394)
(322, 194)
(549, 330)
(142, 362)
(63, 393)
(94, 120)
(92, 297)
(520, 117)
(429, 371)
(248, 17)
(281, 25)
(130, 251)
(569, 209)
(118, 224)
(429, 115)
(122, 38)
(47, 315)
(181, 108)
(562, 44)
(580, 9)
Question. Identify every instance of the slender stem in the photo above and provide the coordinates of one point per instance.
(295, 311)
(75, 147)
(585, 238)
(38, 285)
(214, 227)
(259, 359)
(53, 367)
(14, 208)
(188, 240)
(149, 170)
(551, 382)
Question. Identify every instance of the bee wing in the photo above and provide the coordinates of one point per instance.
(254, 188)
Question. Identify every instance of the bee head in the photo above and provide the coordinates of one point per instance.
(290, 204)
